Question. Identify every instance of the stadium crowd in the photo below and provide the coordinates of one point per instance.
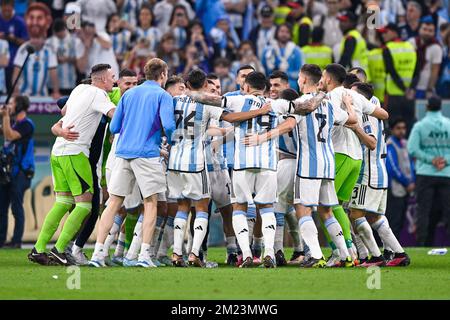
(410, 38)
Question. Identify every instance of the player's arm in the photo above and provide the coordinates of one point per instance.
(247, 115)
(65, 133)
(205, 98)
(166, 114)
(380, 113)
(214, 131)
(285, 127)
(352, 118)
(8, 132)
(309, 105)
(116, 121)
(55, 83)
(365, 135)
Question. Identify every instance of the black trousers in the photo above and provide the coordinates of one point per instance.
(395, 212)
(433, 199)
(400, 107)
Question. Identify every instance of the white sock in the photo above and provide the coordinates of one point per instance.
(365, 232)
(240, 227)
(268, 227)
(251, 220)
(155, 239)
(337, 236)
(144, 255)
(167, 239)
(98, 254)
(292, 223)
(178, 232)
(200, 228)
(363, 253)
(76, 249)
(120, 245)
(279, 232)
(112, 233)
(133, 250)
(386, 234)
(309, 233)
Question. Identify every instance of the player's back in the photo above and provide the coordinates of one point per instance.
(262, 156)
(188, 151)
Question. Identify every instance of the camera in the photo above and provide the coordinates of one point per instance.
(6, 164)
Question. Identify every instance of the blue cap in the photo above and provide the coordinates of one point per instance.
(427, 19)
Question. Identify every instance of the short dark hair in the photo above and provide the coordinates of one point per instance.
(212, 76)
(86, 81)
(434, 103)
(7, 3)
(349, 80)
(289, 94)
(394, 122)
(196, 78)
(317, 34)
(337, 72)
(154, 68)
(59, 25)
(366, 89)
(222, 62)
(246, 67)
(277, 74)
(312, 71)
(127, 73)
(359, 70)
(173, 80)
(284, 25)
(100, 68)
(256, 80)
(22, 103)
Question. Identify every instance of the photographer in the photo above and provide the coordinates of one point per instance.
(19, 145)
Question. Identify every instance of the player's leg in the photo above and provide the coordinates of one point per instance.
(167, 240)
(130, 259)
(292, 223)
(257, 241)
(160, 219)
(64, 202)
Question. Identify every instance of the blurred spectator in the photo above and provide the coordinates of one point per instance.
(224, 39)
(13, 30)
(279, 82)
(429, 59)
(353, 48)
(128, 12)
(97, 12)
(71, 56)
(98, 47)
(429, 144)
(42, 63)
(410, 29)
(392, 11)
(166, 51)
(302, 24)
(399, 58)
(284, 55)
(179, 23)
(145, 32)
(193, 61)
(235, 10)
(317, 52)
(438, 12)
(330, 24)
(163, 11)
(206, 10)
(222, 70)
(282, 11)
(264, 33)
(4, 62)
(246, 56)
(197, 38)
(20, 145)
(120, 37)
(401, 175)
(20, 7)
(443, 88)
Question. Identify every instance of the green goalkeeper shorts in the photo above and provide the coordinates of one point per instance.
(72, 174)
(347, 173)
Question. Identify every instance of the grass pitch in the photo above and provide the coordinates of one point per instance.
(428, 277)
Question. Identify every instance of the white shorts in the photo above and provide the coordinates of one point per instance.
(188, 185)
(220, 187)
(285, 184)
(259, 182)
(132, 200)
(314, 192)
(147, 173)
(369, 199)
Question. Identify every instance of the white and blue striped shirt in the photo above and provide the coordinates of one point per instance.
(4, 51)
(152, 35)
(192, 118)
(287, 143)
(35, 75)
(315, 154)
(72, 47)
(120, 41)
(215, 160)
(263, 156)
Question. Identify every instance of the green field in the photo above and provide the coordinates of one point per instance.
(428, 277)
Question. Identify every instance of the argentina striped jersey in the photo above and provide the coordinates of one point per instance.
(192, 118)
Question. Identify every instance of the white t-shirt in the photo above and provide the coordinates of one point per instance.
(85, 108)
(97, 54)
(433, 55)
(344, 139)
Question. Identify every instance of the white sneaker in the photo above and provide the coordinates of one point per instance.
(80, 258)
(334, 259)
(147, 263)
(97, 263)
